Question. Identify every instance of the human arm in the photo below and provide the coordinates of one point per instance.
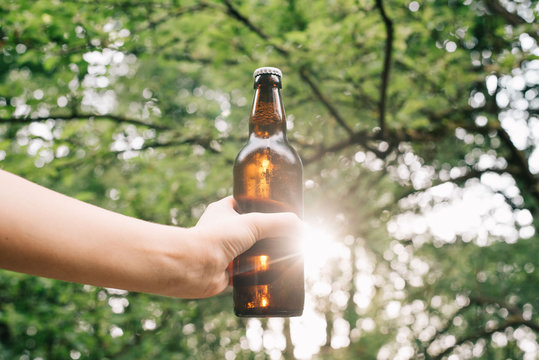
(49, 234)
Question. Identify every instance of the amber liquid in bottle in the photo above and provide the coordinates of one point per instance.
(268, 177)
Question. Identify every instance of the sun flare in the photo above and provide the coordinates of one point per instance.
(319, 247)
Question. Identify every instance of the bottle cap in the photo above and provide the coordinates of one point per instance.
(268, 70)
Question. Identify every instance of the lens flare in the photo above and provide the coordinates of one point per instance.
(262, 263)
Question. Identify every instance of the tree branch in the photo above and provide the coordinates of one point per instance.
(512, 19)
(172, 14)
(519, 159)
(518, 162)
(513, 321)
(471, 174)
(387, 66)
(205, 142)
(489, 300)
(497, 8)
(84, 116)
(515, 311)
(232, 11)
(516, 319)
(122, 4)
(304, 73)
(359, 138)
(396, 136)
(446, 328)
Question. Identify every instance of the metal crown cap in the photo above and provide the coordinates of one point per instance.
(268, 70)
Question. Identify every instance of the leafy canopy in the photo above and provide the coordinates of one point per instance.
(417, 123)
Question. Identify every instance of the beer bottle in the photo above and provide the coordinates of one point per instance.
(268, 177)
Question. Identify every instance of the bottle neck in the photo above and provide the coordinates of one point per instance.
(268, 118)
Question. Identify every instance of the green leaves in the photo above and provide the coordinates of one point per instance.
(141, 107)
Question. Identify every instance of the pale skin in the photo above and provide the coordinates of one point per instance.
(48, 234)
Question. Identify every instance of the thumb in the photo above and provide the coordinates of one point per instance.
(247, 229)
(264, 225)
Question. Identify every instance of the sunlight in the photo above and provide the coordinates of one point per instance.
(318, 248)
(309, 331)
(263, 263)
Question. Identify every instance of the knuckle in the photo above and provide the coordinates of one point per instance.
(253, 226)
(211, 206)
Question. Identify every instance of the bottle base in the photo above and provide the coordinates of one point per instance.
(263, 313)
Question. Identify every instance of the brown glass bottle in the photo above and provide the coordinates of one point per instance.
(268, 177)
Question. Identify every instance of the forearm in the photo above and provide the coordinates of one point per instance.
(46, 233)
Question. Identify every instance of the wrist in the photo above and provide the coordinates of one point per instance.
(167, 251)
(195, 267)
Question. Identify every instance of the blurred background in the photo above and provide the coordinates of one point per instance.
(417, 123)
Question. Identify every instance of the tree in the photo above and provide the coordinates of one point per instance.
(418, 127)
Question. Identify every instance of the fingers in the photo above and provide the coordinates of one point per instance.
(227, 203)
(221, 209)
(270, 225)
(226, 234)
(260, 225)
(230, 272)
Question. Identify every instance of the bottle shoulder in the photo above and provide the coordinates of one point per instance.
(271, 146)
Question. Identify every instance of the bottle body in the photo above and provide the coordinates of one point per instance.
(268, 177)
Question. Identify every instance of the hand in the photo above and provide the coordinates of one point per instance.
(222, 234)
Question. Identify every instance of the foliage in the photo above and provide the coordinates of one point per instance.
(404, 112)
